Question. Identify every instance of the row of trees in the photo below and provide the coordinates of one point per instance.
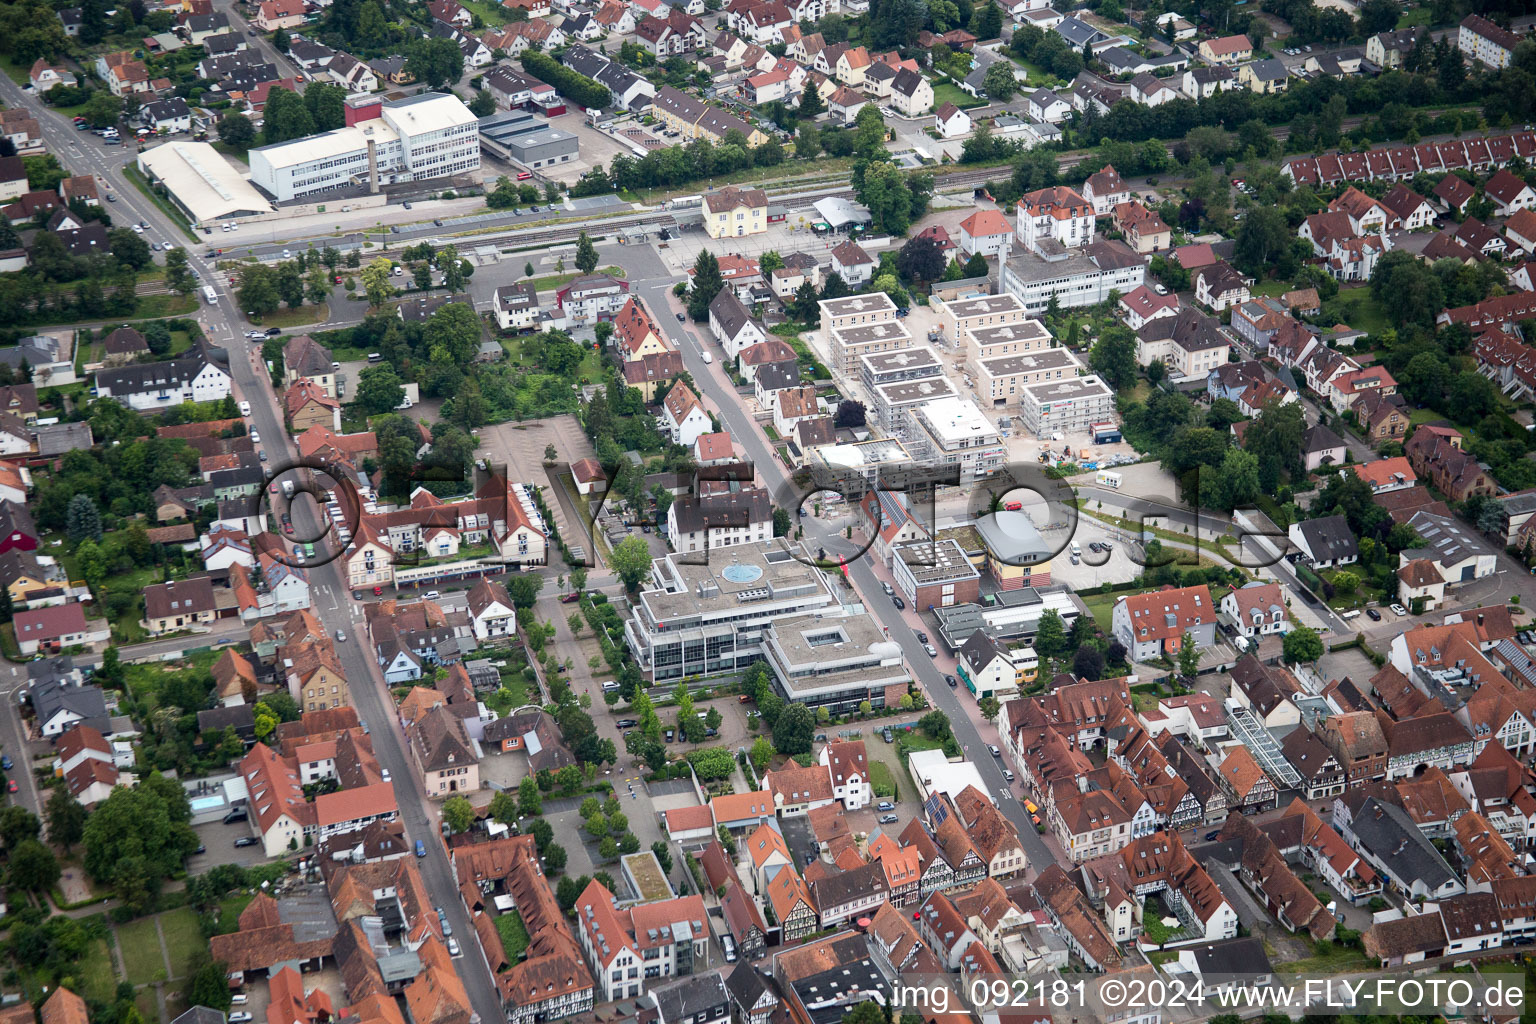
(571, 84)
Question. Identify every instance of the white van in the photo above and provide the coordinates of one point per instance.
(709, 357)
(1076, 548)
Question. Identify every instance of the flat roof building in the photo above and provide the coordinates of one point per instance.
(935, 573)
(427, 136)
(1012, 615)
(895, 402)
(959, 315)
(519, 137)
(848, 345)
(854, 310)
(867, 459)
(953, 431)
(202, 184)
(1002, 379)
(1074, 277)
(901, 364)
(701, 618)
(835, 662)
(1065, 405)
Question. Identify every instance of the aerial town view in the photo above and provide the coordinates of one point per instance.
(767, 511)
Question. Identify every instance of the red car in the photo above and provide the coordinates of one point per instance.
(378, 591)
(570, 598)
(13, 787)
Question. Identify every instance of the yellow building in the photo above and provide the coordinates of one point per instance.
(735, 212)
(692, 118)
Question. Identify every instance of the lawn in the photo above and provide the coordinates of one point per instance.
(1356, 307)
(183, 938)
(949, 92)
(340, 344)
(514, 936)
(144, 680)
(1103, 607)
(883, 780)
(561, 280)
(1421, 15)
(300, 317)
(1330, 959)
(143, 959)
(96, 978)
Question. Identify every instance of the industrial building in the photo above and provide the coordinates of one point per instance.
(425, 137)
(527, 140)
(201, 183)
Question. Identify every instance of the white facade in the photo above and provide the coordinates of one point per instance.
(427, 136)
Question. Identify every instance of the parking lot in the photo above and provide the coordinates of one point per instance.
(218, 840)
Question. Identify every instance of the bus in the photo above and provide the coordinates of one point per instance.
(209, 294)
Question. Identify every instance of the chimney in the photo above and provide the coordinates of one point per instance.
(373, 167)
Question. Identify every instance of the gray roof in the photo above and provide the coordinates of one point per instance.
(1319, 439)
(746, 985)
(1271, 69)
(698, 994)
(1392, 837)
(1079, 33)
(50, 697)
(1189, 328)
(1235, 956)
(737, 508)
(239, 716)
(1329, 538)
(728, 310)
(1012, 536)
(1445, 540)
(142, 377)
(58, 438)
(200, 1015)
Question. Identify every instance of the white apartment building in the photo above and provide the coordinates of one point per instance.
(1003, 379)
(953, 431)
(960, 315)
(431, 135)
(1064, 405)
(1075, 278)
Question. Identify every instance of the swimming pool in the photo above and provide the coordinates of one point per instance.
(201, 804)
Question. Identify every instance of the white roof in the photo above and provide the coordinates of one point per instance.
(351, 139)
(202, 181)
(938, 774)
(956, 419)
(837, 211)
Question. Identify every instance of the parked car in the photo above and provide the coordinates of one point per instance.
(669, 734)
(995, 752)
(1399, 609)
(898, 602)
(888, 819)
(421, 848)
(930, 650)
(952, 682)
(244, 841)
(6, 762)
(885, 805)
(1373, 614)
(627, 723)
(1008, 774)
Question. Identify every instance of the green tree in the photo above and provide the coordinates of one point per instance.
(178, 275)
(810, 102)
(1262, 238)
(290, 283)
(93, 564)
(18, 824)
(376, 282)
(453, 334)
(645, 713)
(326, 104)
(208, 986)
(1050, 635)
(1000, 83)
(1189, 656)
(793, 731)
(127, 248)
(236, 130)
(285, 117)
(82, 520)
(503, 808)
(976, 266)
(586, 254)
(529, 801)
(707, 282)
(459, 813)
(483, 105)
(761, 754)
(436, 62)
(631, 561)
(66, 818)
(452, 266)
(258, 293)
(378, 390)
(317, 285)
(33, 867)
(102, 110)
(1302, 644)
(1113, 357)
(988, 706)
